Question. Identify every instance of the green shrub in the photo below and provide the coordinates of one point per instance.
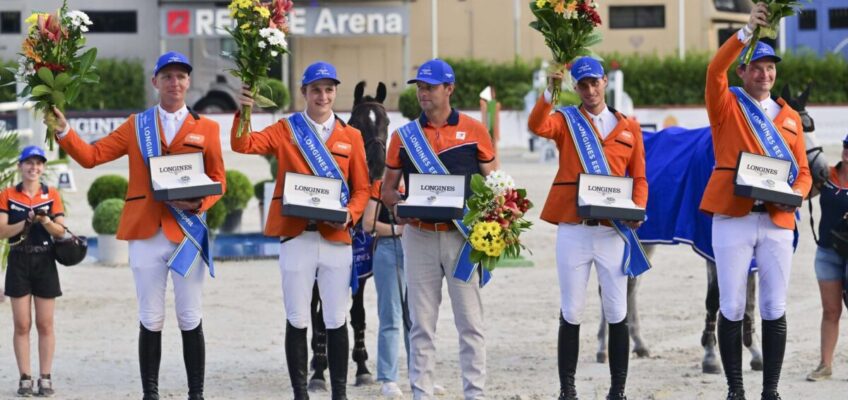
(512, 81)
(238, 191)
(107, 214)
(107, 187)
(216, 215)
(7, 93)
(122, 87)
(259, 189)
(277, 92)
(408, 104)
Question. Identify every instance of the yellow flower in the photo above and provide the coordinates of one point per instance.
(262, 11)
(540, 3)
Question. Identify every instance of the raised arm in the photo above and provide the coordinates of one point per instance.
(111, 147)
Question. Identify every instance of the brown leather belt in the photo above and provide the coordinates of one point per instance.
(435, 227)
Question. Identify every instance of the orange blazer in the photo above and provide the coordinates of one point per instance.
(732, 135)
(348, 149)
(623, 148)
(142, 216)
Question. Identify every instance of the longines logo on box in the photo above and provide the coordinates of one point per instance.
(176, 169)
(437, 189)
(762, 170)
(604, 189)
(311, 190)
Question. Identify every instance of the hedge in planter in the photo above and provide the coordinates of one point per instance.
(107, 215)
(239, 191)
(107, 187)
(275, 90)
(215, 216)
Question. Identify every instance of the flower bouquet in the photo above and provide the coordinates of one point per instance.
(50, 68)
(495, 218)
(777, 9)
(569, 30)
(260, 35)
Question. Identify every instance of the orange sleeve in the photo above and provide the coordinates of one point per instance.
(4, 201)
(393, 154)
(804, 181)
(58, 208)
(636, 168)
(111, 147)
(264, 142)
(485, 148)
(717, 92)
(360, 184)
(213, 160)
(375, 189)
(543, 123)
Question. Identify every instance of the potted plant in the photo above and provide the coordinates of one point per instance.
(110, 250)
(215, 216)
(107, 187)
(239, 191)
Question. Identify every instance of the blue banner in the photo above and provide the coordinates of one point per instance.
(427, 162)
(315, 153)
(765, 132)
(193, 226)
(592, 157)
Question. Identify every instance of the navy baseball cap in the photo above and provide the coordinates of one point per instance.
(762, 50)
(32, 151)
(319, 70)
(171, 58)
(586, 67)
(434, 72)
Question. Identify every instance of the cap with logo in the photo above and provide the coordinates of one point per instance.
(319, 70)
(586, 67)
(30, 152)
(761, 50)
(171, 58)
(434, 72)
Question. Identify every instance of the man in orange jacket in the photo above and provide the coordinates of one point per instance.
(151, 226)
(742, 227)
(581, 242)
(309, 249)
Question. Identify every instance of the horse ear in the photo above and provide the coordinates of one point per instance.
(381, 92)
(805, 95)
(357, 92)
(786, 93)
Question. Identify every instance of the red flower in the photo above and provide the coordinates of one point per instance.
(51, 66)
(591, 14)
(278, 14)
(50, 28)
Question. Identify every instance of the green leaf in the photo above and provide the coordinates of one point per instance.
(263, 102)
(46, 76)
(478, 183)
(41, 90)
(62, 80)
(58, 99)
(87, 59)
(71, 93)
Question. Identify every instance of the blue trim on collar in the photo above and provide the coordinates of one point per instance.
(453, 118)
(20, 187)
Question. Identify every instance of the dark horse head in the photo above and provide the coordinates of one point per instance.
(815, 155)
(369, 116)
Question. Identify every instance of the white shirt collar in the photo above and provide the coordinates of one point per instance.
(325, 128)
(178, 115)
(607, 119)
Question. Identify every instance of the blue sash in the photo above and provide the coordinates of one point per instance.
(196, 240)
(427, 162)
(634, 261)
(316, 154)
(765, 132)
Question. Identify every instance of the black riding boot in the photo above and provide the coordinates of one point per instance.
(730, 347)
(149, 354)
(774, 346)
(337, 348)
(296, 360)
(619, 359)
(568, 347)
(194, 356)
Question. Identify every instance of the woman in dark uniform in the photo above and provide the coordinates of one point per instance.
(31, 215)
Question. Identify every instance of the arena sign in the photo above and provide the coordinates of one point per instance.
(210, 22)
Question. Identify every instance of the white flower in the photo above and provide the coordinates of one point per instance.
(275, 37)
(274, 53)
(261, 44)
(84, 29)
(79, 18)
(499, 182)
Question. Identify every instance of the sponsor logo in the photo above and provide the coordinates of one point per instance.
(195, 138)
(604, 189)
(311, 190)
(790, 123)
(342, 146)
(460, 135)
(761, 170)
(626, 135)
(178, 22)
(437, 189)
(176, 169)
